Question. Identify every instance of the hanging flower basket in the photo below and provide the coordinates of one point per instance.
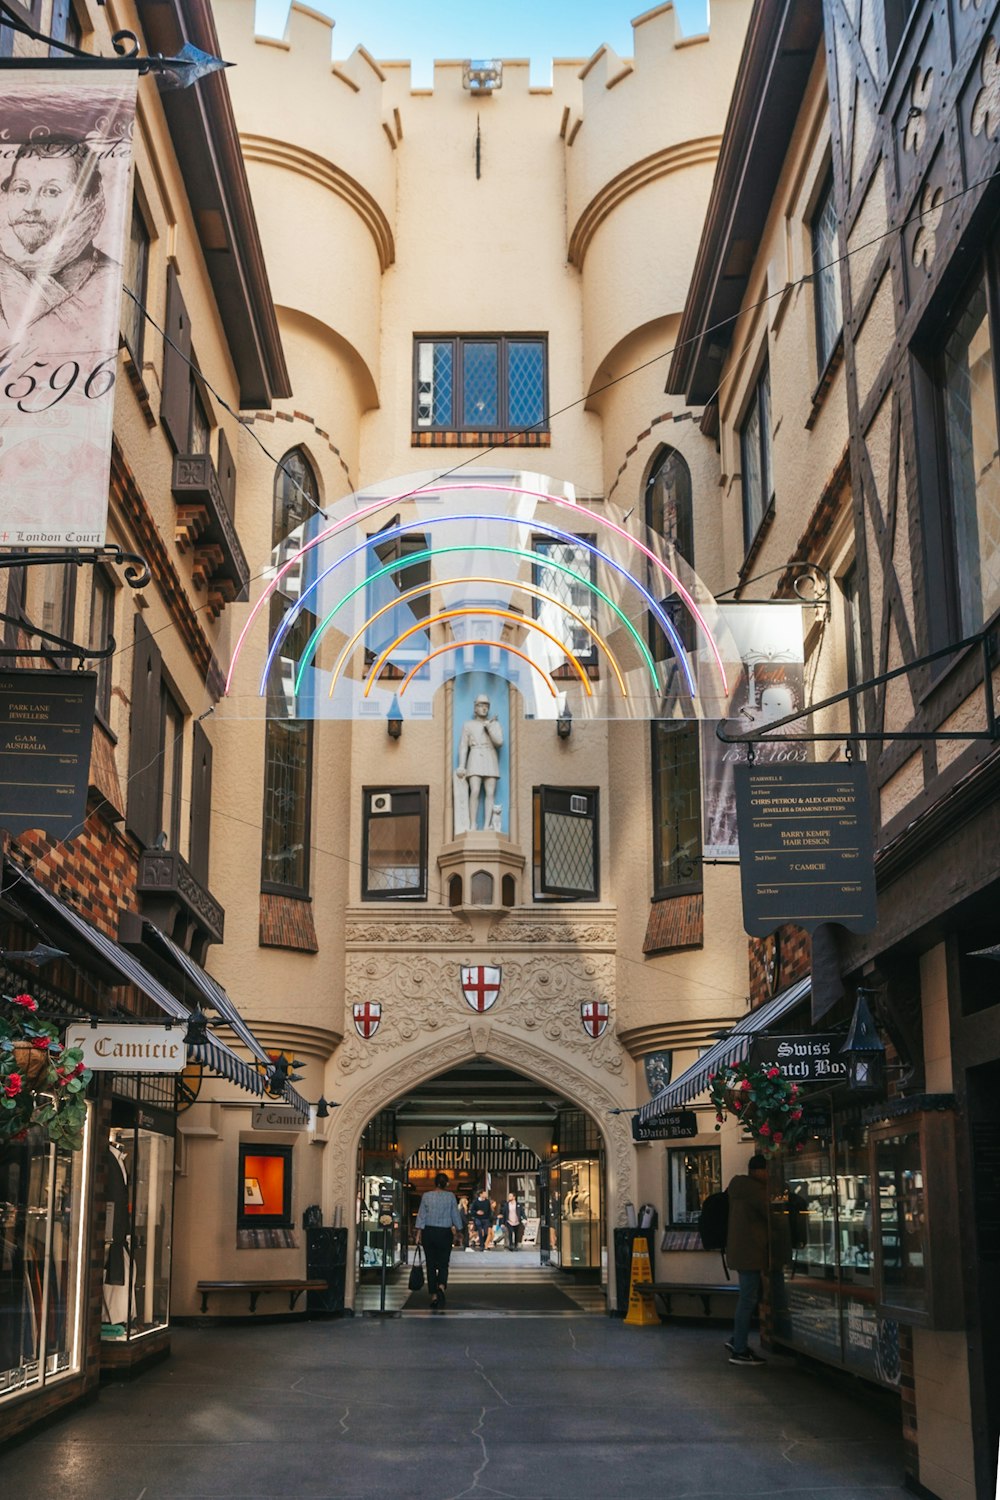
(41, 1081)
(765, 1103)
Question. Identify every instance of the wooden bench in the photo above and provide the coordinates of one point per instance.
(665, 1290)
(254, 1288)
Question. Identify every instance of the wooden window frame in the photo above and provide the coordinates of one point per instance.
(137, 349)
(503, 341)
(765, 455)
(423, 795)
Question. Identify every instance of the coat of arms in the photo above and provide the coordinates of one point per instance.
(367, 1017)
(594, 1015)
(480, 985)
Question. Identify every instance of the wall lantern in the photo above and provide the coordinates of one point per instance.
(394, 720)
(564, 723)
(864, 1049)
(482, 75)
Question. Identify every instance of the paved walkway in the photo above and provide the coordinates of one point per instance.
(423, 1409)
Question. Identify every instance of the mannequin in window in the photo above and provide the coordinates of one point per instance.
(117, 1240)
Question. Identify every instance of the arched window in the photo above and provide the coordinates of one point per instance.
(288, 742)
(669, 508)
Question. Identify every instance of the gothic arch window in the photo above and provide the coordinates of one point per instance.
(288, 741)
(669, 507)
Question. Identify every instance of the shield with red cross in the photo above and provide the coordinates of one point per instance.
(367, 1017)
(594, 1015)
(480, 985)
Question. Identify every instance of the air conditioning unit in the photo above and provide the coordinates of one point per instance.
(579, 805)
(380, 802)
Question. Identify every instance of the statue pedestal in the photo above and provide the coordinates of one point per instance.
(482, 870)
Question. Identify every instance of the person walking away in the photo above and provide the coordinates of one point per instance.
(439, 1225)
(513, 1222)
(481, 1218)
(463, 1208)
(747, 1252)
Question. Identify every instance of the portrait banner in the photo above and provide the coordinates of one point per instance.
(771, 684)
(65, 175)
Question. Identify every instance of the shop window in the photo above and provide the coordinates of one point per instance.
(826, 276)
(566, 860)
(135, 274)
(478, 383)
(288, 741)
(692, 1175)
(42, 1280)
(574, 591)
(265, 1187)
(138, 1214)
(755, 458)
(394, 844)
(969, 525)
(677, 853)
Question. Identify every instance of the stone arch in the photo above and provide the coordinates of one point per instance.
(489, 1043)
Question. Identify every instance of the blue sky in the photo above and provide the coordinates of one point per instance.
(539, 29)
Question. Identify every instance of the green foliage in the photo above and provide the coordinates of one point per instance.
(764, 1101)
(41, 1081)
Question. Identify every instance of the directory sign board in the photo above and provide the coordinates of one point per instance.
(806, 846)
(46, 729)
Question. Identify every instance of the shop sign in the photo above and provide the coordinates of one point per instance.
(128, 1048)
(66, 149)
(806, 850)
(814, 1058)
(386, 1206)
(531, 1228)
(274, 1117)
(678, 1125)
(46, 728)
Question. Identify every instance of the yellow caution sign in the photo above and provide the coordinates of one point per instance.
(641, 1311)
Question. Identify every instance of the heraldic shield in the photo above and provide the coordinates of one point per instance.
(480, 985)
(367, 1018)
(594, 1015)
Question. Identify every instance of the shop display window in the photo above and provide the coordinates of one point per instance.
(265, 1187)
(692, 1175)
(41, 1255)
(138, 1222)
(579, 1230)
(374, 1243)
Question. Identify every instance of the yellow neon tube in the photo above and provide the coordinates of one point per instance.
(482, 609)
(457, 646)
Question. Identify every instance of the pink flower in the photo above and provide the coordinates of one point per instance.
(795, 1091)
(765, 1129)
(720, 1118)
(745, 1084)
(773, 1072)
(13, 1085)
(712, 1077)
(737, 1106)
(26, 1001)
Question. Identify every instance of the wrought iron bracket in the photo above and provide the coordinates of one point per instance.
(984, 640)
(125, 43)
(813, 576)
(137, 575)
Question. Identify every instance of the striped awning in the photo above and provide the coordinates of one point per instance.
(21, 890)
(732, 1048)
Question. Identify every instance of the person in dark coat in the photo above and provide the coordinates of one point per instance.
(481, 1218)
(747, 1252)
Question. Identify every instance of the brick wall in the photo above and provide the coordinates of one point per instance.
(794, 962)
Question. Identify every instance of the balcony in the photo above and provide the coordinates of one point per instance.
(173, 898)
(205, 528)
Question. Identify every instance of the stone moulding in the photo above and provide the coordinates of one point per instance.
(703, 151)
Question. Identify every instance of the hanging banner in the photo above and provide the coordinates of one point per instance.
(771, 684)
(808, 853)
(65, 169)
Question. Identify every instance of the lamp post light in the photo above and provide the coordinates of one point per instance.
(864, 1049)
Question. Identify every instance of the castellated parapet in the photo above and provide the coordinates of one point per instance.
(607, 169)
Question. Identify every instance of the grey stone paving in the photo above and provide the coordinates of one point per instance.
(423, 1409)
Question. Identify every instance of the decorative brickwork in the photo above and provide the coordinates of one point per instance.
(95, 872)
(666, 416)
(677, 922)
(287, 922)
(284, 416)
(794, 958)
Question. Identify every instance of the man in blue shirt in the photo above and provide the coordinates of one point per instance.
(439, 1224)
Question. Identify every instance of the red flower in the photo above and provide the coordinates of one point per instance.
(765, 1129)
(737, 1106)
(13, 1085)
(26, 1001)
(41, 1042)
(712, 1077)
(795, 1091)
(796, 1114)
(745, 1084)
(720, 1118)
(778, 1137)
(773, 1072)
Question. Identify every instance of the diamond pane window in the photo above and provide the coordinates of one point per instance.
(394, 855)
(474, 383)
(566, 860)
(676, 808)
(570, 591)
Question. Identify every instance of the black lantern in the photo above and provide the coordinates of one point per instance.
(864, 1049)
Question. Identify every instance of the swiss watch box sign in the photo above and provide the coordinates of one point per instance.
(46, 729)
(806, 848)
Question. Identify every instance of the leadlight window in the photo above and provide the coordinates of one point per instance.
(677, 854)
(969, 410)
(135, 274)
(288, 741)
(565, 846)
(755, 455)
(670, 513)
(574, 591)
(478, 383)
(394, 844)
(826, 276)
